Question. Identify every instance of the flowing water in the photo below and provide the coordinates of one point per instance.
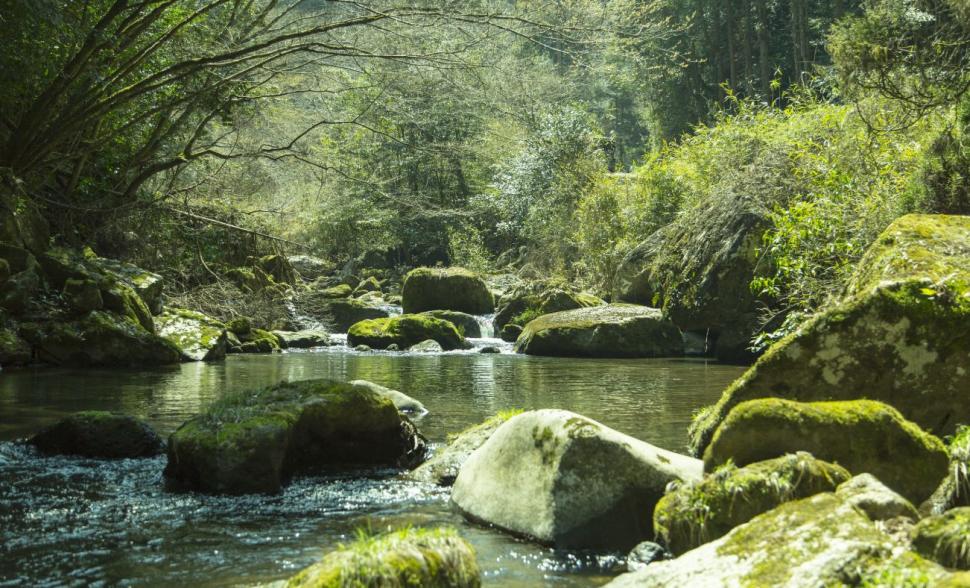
(74, 521)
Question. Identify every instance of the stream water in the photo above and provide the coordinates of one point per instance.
(74, 521)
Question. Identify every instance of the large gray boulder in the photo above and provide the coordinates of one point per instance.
(443, 467)
(565, 480)
(817, 541)
(616, 330)
(901, 335)
(698, 270)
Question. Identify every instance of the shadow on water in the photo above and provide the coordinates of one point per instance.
(77, 521)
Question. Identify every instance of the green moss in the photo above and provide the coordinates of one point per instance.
(411, 557)
(945, 538)
(338, 291)
(861, 435)
(240, 325)
(450, 288)
(695, 513)
(404, 331)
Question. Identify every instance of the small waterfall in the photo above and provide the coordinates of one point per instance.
(486, 324)
(304, 321)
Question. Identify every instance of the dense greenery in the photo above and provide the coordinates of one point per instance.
(188, 137)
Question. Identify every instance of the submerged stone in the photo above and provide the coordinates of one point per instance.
(101, 435)
(901, 335)
(409, 558)
(565, 480)
(255, 441)
(452, 288)
(863, 436)
(617, 330)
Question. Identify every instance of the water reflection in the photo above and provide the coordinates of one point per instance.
(77, 521)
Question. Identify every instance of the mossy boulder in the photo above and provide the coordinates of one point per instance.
(99, 338)
(199, 336)
(402, 401)
(337, 315)
(126, 289)
(530, 300)
(367, 285)
(698, 512)
(901, 336)
(510, 333)
(875, 499)
(863, 436)
(945, 538)
(338, 291)
(954, 490)
(426, 346)
(408, 558)
(14, 350)
(278, 267)
(122, 299)
(698, 270)
(305, 339)
(404, 331)
(452, 288)
(309, 267)
(467, 324)
(99, 434)
(817, 541)
(148, 285)
(82, 295)
(20, 291)
(255, 441)
(255, 341)
(615, 330)
(443, 467)
(565, 480)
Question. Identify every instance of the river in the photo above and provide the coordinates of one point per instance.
(75, 521)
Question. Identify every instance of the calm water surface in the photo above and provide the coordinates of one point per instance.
(73, 521)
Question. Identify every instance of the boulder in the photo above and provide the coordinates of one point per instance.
(901, 336)
(877, 501)
(443, 467)
(816, 541)
(122, 299)
(945, 538)
(20, 291)
(467, 324)
(120, 282)
(4, 271)
(645, 554)
(338, 314)
(489, 349)
(699, 512)
(82, 295)
(200, 337)
(255, 341)
(616, 330)
(309, 267)
(566, 480)
(255, 441)
(101, 435)
(148, 285)
(426, 346)
(954, 490)
(698, 270)
(404, 330)
(368, 285)
(402, 401)
(451, 288)
(409, 558)
(863, 436)
(510, 333)
(303, 339)
(338, 291)
(530, 300)
(99, 338)
(14, 351)
(277, 267)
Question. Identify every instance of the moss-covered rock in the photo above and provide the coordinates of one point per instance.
(20, 291)
(409, 558)
(875, 499)
(426, 346)
(309, 267)
(566, 480)
(530, 300)
(404, 331)
(467, 324)
(99, 338)
(148, 285)
(402, 401)
(616, 330)
(902, 335)
(954, 490)
(863, 436)
(443, 467)
(367, 285)
(255, 341)
(816, 541)
(698, 512)
(510, 333)
(82, 295)
(256, 441)
(451, 288)
(99, 434)
(14, 350)
(303, 339)
(338, 291)
(945, 538)
(123, 300)
(278, 267)
(698, 270)
(200, 337)
(338, 314)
